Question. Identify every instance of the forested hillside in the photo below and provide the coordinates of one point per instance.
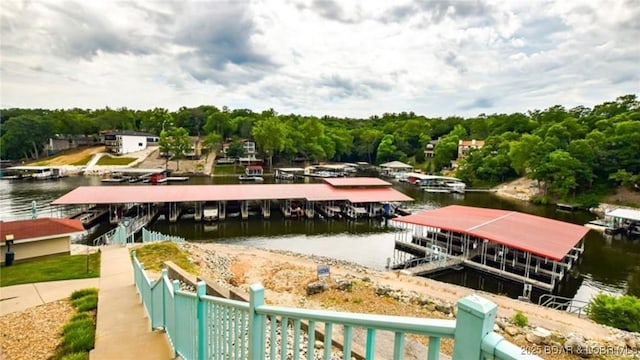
(569, 151)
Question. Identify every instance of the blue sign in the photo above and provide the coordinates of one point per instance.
(323, 271)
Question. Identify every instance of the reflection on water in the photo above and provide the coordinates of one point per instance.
(607, 265)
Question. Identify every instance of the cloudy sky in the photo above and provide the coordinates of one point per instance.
(341, 58)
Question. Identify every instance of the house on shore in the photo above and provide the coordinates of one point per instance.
(34, 238)
(125, 142)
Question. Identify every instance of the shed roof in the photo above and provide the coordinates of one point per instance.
(627, 214)
(356, 181)
(181, 193)
(38, 228)
(545, 237)
(396, 165)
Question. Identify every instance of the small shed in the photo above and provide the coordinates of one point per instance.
(34, 238)
(395, 169)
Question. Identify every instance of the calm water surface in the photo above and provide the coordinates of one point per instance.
(607, 265)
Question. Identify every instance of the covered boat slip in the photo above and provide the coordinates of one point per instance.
(290, 197)
(525, 248)
(623, 221)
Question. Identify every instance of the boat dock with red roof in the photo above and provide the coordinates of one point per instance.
(533, 250)
(292, 199)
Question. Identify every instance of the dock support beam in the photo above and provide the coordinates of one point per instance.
(174, 212)
(286, 208)
(199, 206)
(244, 209)
(222, 210)
(266, 208)
(309, 210)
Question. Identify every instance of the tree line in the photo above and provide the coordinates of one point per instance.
(569, 151)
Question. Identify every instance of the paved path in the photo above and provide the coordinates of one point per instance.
(123, 330)
(21, 297)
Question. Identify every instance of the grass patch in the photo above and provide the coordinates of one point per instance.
(153, 255)
(58, 267)
(228, 169)
(86, 303)
(76, 356)
(111, 161)
(82, 161)
(79, 333)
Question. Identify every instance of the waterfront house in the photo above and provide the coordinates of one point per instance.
(465, 147)
(124, 142)
(34, 238)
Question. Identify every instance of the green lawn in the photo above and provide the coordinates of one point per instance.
(83, 161)
(59, 267)
(228, 169)
(108, 160)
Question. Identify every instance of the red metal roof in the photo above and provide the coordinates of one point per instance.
(180, 193)
(38, 228)
(356, 181)
(538, 235)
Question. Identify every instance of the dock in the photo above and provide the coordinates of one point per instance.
(432, 267)
(361, 197)
(539, 252)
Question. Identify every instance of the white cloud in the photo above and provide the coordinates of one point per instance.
(436, 58)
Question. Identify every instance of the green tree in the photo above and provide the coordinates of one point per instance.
(174, 143)
(520, 152)
(212, 142)
(181, 144)
(369, 138)
(235, 149)
(387, 150)
(24, 137)
(269, 134)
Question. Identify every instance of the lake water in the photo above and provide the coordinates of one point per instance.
(607, 264)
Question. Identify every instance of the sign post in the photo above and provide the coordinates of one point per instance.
(323, 271)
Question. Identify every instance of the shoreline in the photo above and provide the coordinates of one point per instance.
(284, 274)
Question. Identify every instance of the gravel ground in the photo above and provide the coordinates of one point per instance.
(34, 333)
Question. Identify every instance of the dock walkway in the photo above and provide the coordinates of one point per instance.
(123, 331)
(430, 267)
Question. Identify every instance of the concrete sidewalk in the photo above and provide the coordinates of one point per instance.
(123, 331)
(21, 297)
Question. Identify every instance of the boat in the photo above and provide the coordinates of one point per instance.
(176, 178)
(355, 210)
(250, 178)
(435, 189)
(288, 174)
(115, 177)
(436, 184)
(329, 210)
(252, 173)
(210, 214)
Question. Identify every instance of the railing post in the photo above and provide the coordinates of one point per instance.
(164, 303)
(135, 270)
(475, 319)
(257, 323)
(172, 332)
(202, 321)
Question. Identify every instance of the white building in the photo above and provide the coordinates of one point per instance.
(124, 142)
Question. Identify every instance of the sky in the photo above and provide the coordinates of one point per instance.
(318, 57)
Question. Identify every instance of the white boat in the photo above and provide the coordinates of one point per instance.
(250, 178)
(330, 211)
(355, 210)
(210, 214)
(436, 189)
(114, 178)
(176, 178)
